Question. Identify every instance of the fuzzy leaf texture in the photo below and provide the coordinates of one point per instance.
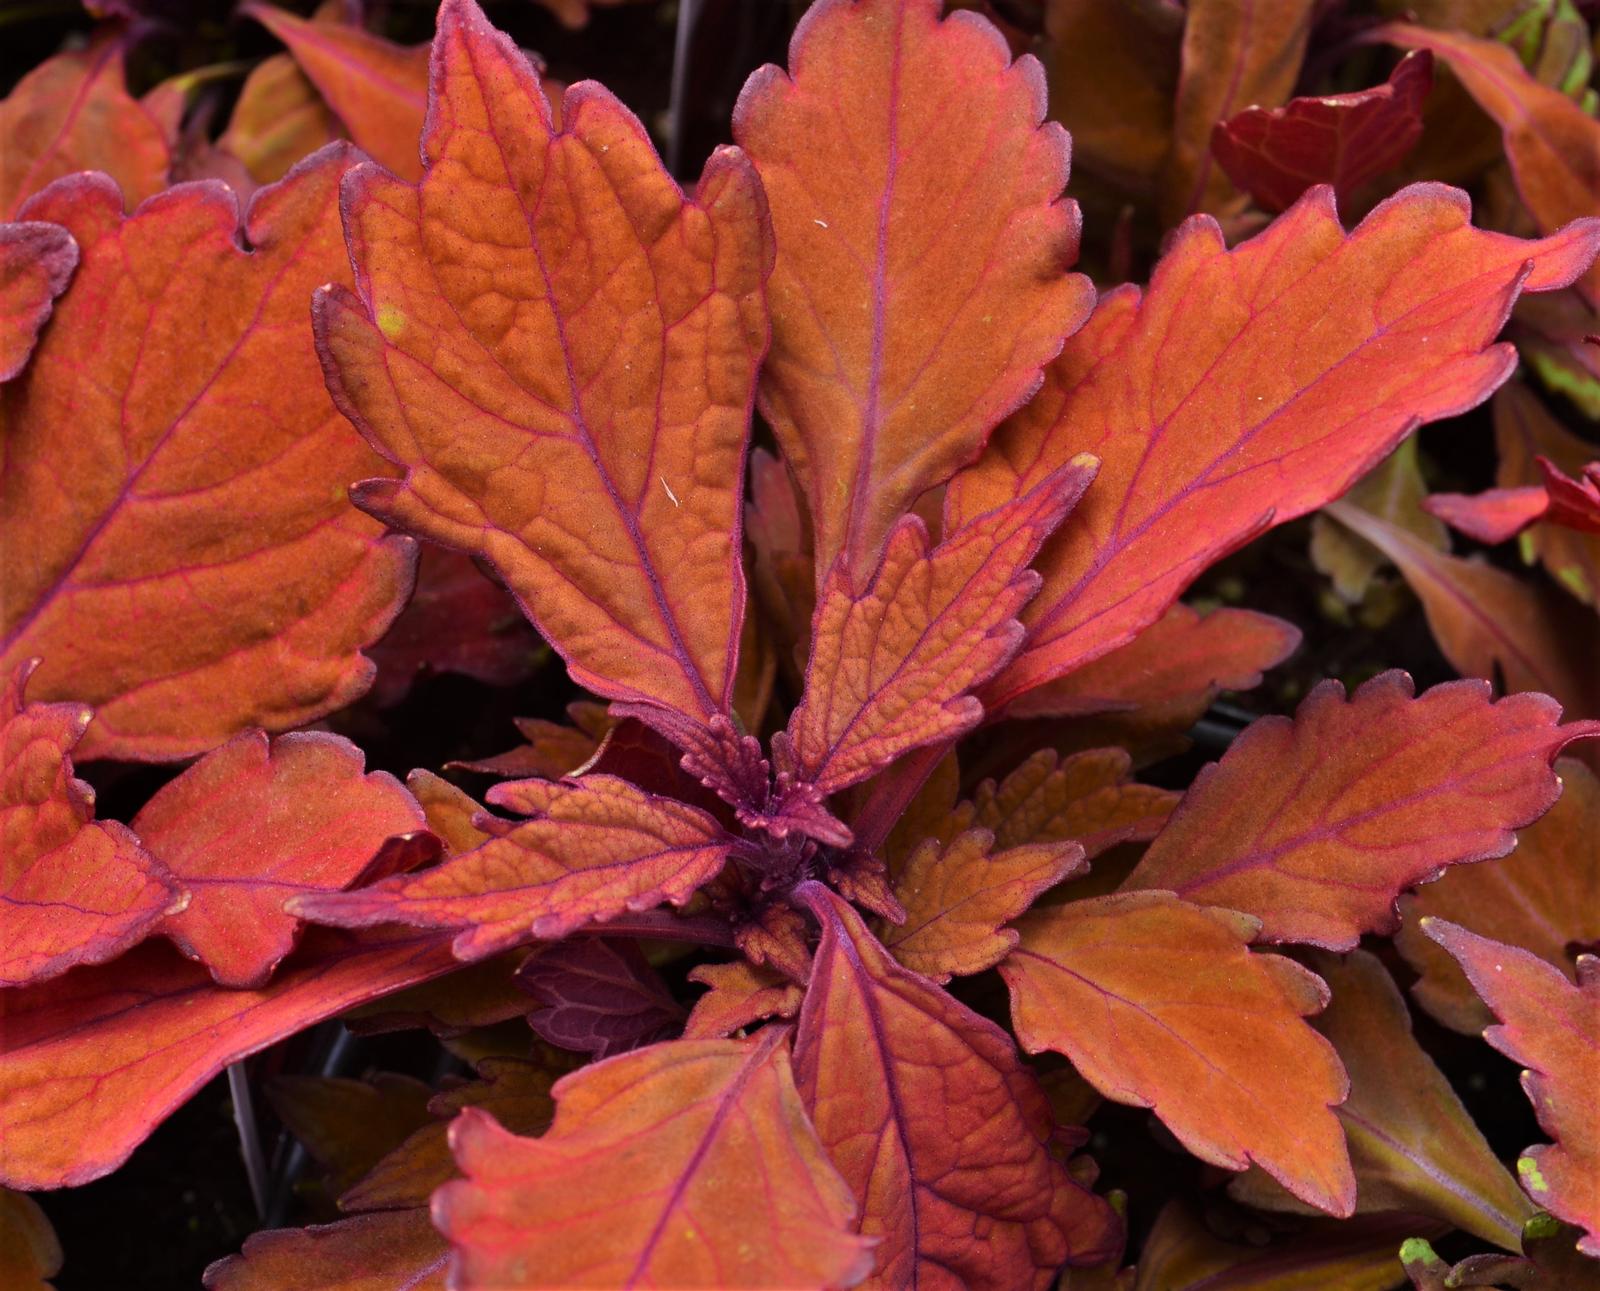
(920, 283)
(36, 263)
(686, 1164)
(185, 367)
(577, 420)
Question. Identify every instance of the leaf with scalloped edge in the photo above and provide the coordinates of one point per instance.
(1491, 624)
(549, 749)
(30, 1252)
(73, 890)
(186, 368)
(689, 1163)
(1541, 898)
(892, 664)
(1344, 140)
(1247, 387)
(922, 244)
(1413, 1145)
(1314, 825)
(377, 89)
(73, 112)
(257, 821)
(1553, 145)
(380, 1252)
(36, 263)
(597, 995)
(740, 995)
(942, 1133)
(1161, 1004)
(595, 848)
(959, 895)
(578, 421)
(1087, 798)
(1236, 53)
(1551, 1028)
(95, 1060)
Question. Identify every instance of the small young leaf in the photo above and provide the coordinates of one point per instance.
(1493, 516)
(1541, 898)
(254, 823)
(367, 1253)
(30, 1252)
(599, 996)
(595, 848)
(278, 119)
(922, 240)
(741, 994)
(73, 890)
(1248, 387)
(1340, 139)
(1161, 1004)
(346, 1125)
(1316, 825)
(937, 1126)
(578, 421)
(36, 263)
(1552, 1028)
(685, 1164)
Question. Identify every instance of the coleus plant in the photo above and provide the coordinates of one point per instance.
(990, 486)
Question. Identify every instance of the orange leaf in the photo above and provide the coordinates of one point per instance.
(1413, 1145)
(1541, 898)
(1161, 1004)
(378, 89)
(1315, 825)
(346, 1125)
(1552, 1028)
(368, 1253)
(922, 240)
(1553, 145)
(959, 895)
(92, 1062)
(252, 824)
(36, 263)
(939, 1129)
(689, 1163)
(891, 666)
(29, 1249)
(73, 890)
(187, 561)
(596, 848)
(1249, 387)
(550, 749)
(578, 420)
(278, 119)
(73, 112)
(741, 994)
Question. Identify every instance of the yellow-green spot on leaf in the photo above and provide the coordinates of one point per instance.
(1417, 1250)
(1532, 1179)
(1574, 578)
(391, 322)
(1540, 1228)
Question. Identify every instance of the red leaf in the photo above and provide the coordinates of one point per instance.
(1249, 387)
(585, 433)
(252, 824)
(1339, 139)
(1315, 825)
(600, 996)
(928, 1112)
(1160, 1004)
(457, 621)
(740, 994)
(380, 1252)
(1492, 516)
(891, 666)
(959, 895)
(1540, 897)
(921, 242)
(73, 890)
(70, 113)
(92, 1062)
(187, 370)
(1170, 672)
(1492, 625)
(685, 1164)
(1234, 55)
(378, 89)
(1551, 1027)
(596, 848)
(36, 263)
(1553, 145)
(29, 1249)
(1574, 503)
